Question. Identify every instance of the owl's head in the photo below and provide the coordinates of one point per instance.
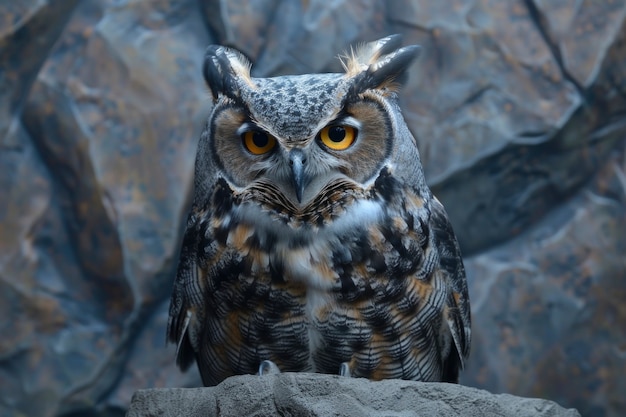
(298, 135)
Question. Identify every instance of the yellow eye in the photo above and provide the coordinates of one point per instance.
(338, 138)
(258, 143)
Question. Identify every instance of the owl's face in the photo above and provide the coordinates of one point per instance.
(297, 137)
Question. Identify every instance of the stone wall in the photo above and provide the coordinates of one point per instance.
(519, 108)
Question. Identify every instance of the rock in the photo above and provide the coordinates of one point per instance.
(96, 172)
(551, 299)
(304, 395)
(518, 108)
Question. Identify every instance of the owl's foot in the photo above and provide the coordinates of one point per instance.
(268, 368)
(344, 370)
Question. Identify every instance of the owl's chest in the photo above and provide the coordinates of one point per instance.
(363, 255)
(326, 293)
(326, 259)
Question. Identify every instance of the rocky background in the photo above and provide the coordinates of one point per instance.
(519, 108)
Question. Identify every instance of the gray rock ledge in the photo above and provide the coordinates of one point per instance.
(302, 394)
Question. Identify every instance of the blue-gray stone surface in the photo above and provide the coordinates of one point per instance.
(309, 395)
(519, 108)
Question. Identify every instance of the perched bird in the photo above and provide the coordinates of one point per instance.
(313, 243)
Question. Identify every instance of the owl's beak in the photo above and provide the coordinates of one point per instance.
(297, 160)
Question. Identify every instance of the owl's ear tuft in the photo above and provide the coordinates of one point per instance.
(380, 64)
(224, 71)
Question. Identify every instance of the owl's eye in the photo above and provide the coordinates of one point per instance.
(258, 143)
(338, 138)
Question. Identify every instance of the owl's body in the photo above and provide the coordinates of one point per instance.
(313, 240)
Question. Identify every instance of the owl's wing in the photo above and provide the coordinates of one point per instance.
(181, 309)
(451, 264)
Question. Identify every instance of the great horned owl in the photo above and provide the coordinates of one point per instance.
(313, 242)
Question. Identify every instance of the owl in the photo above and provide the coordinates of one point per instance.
(313, 243)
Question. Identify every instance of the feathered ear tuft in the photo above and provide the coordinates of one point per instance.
(379, 64)
(223, 70)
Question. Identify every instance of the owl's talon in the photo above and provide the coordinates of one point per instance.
(268, 368)
(344, 370)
